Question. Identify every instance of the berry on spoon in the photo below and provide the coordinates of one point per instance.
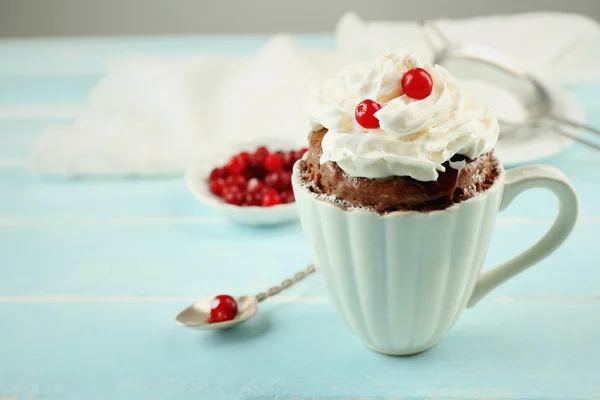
(223, 308)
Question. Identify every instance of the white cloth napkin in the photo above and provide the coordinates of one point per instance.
(144, 117)
(157, 115)
(562, 48)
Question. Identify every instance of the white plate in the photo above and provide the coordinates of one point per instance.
(196, 181)
(542, 142)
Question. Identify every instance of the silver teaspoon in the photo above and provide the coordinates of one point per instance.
(198, 314)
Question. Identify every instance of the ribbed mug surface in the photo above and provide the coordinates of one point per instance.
(399, 281)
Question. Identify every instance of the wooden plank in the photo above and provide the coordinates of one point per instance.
(174, 260)
(20, 90)
(18, 135)
(131, 351)
(29, 197)
(92, 273)
(88, 56)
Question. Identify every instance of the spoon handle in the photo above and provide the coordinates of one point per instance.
(559, 129)
(286, 283)
(574, 124)
(435, 38)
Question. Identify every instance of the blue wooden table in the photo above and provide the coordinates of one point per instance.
(93, 272)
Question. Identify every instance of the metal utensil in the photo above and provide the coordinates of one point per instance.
(197, 315)
(487, 64)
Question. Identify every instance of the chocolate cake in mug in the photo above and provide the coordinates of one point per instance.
(421, 154)
(398, 195)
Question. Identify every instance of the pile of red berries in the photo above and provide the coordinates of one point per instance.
(261, 178)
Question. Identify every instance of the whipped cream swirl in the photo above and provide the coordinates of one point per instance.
(415, 137)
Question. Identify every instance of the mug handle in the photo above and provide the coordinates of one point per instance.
(517, 181)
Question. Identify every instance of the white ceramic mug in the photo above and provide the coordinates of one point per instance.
(400, 281)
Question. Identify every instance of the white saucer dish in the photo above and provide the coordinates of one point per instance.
(535, 144)
(196, 179)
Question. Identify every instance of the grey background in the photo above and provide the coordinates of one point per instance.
(141, 17)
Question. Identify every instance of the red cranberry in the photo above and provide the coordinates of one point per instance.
(417, 83)
(257, 159)
(279, 180)
(217, 173)
(272, 180)
(274, 162)
(365, 114)
(254, 171)
(284, 180)
(287, 196)
(216, 186)
(270, 198)
(258, 172)
(257, 163)
(289, 158)
(261, 151)
(228, 188)
(302, 151)
(223, 308)
(236, 180)
(255, 186)
(233, 195)
(248, 173)
(244, 156)
(254, 198)
(237, 164)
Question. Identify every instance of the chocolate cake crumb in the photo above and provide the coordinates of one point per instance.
(329, 182)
